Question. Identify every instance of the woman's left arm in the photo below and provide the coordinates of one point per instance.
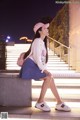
(37, 50)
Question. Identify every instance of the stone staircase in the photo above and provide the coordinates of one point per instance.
(67, 80)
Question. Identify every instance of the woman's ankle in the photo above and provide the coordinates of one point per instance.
(40, 101)
(59, 102)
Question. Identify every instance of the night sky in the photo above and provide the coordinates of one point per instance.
(17, 17)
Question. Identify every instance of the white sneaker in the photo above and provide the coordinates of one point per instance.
(43, 106)
(62, 107)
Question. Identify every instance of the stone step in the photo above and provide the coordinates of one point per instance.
(47, 99)
(71, 95)
(31, 113)
(67, 83)
(57, 65)
(52, 66)
(62, 86)
(57, 74)
(59, 81)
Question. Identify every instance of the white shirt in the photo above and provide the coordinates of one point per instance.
(38, 53)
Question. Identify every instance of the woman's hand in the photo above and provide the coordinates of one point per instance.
(47, 72)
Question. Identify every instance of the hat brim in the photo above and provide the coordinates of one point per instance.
(38, 25)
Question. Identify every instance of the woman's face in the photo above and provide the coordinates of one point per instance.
(45, 31)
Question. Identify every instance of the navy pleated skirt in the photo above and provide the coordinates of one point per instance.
(30, 70)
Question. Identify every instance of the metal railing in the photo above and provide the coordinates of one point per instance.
(60, 52)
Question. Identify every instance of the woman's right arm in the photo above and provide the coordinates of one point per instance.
(20, 59)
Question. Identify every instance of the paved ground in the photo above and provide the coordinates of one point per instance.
(35, 114)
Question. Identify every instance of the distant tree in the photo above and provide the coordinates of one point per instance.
(59, 27)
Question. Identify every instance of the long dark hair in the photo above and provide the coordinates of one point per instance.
(37, 35)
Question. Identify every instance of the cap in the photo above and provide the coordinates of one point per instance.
(38, 25)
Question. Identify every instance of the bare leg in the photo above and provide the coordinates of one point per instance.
(54, 91)
(49, 83)
(45, 86)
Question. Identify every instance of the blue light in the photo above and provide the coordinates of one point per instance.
(7, 40)
(8, 37)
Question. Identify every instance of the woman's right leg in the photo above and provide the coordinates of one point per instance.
(45, 86)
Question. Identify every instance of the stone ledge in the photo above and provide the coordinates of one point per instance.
(15, 91)
(9, 75)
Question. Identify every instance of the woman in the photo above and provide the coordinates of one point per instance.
(34, 67)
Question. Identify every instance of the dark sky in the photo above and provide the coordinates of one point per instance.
(17, 17)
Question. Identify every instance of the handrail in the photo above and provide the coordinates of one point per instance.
(68, 48)
(58, 42)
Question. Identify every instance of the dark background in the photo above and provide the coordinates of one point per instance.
(17, 17)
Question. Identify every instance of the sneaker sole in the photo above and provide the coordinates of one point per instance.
(43, 110)
(63, 110)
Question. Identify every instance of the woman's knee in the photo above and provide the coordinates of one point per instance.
(48, 78)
